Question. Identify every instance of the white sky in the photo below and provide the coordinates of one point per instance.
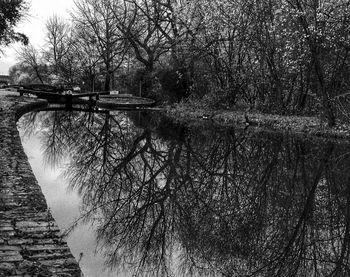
(34, 26)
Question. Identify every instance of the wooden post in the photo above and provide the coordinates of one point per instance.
(69, 100)
(91, 100)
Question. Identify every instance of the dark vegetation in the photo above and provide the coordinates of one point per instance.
(285, 57)
(11, 12)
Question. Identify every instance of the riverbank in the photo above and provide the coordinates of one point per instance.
(299, 125)
(30, 240)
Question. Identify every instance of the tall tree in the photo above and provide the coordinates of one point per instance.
(31, 58)
(58, 43)
(88, 55)
(98, 19)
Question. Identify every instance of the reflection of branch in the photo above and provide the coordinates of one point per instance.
(302, 218)
(29, 123)
(225, 200)
(344, 255)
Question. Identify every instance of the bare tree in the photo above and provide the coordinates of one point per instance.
(31, 57)
(98, 19)
(88, 54)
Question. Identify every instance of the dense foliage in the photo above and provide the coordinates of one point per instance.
(11, 11)
(285, 56)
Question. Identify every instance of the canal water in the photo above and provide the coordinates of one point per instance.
(139, 195)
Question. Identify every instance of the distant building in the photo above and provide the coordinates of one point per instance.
(4, 80)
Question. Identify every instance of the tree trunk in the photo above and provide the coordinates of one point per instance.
(327, 106)
(107, 82)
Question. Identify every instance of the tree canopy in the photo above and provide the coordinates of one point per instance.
(11, 12)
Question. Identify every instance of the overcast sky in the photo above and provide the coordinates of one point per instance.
(34, 26)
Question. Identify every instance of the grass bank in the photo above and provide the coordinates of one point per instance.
(301, 125)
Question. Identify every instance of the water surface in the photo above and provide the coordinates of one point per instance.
(161, 199)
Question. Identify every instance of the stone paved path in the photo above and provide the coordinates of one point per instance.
(30, 242)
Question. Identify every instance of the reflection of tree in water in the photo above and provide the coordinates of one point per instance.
(216, 201)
